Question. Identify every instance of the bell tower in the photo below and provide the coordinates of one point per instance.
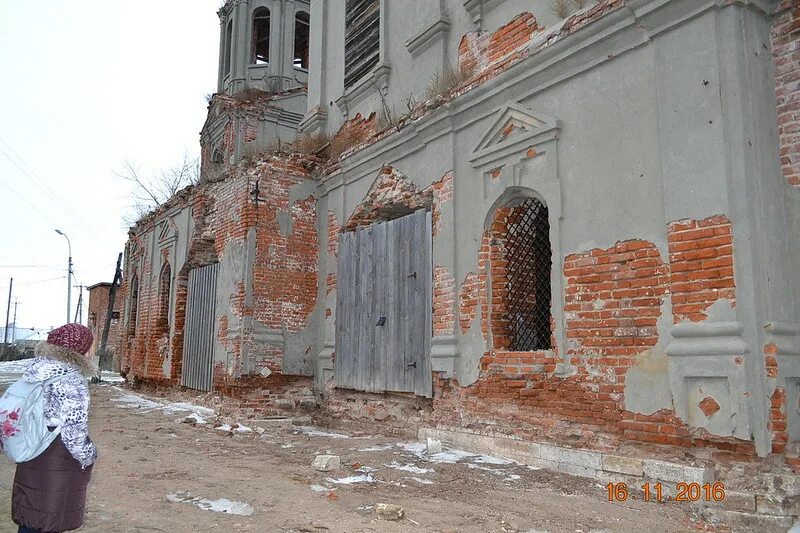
(264, 45)
(263, 70)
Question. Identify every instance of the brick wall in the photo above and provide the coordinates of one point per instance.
(284, 279)
(786, 58)
(613, 301)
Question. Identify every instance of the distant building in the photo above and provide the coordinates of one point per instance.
(98, 309)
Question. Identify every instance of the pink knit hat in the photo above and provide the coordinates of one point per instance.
(72, 337)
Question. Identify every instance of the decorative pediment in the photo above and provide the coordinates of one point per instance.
(515, 128)
(166, 231)
(135, 245)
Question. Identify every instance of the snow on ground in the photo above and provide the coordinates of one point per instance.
(419, 449)
(365, 478)
(130, 400)
(316, 432)
(409, 468)
(236, 428)
(218, 506)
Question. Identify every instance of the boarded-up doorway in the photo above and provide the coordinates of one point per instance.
(199, 333)
(383, 307)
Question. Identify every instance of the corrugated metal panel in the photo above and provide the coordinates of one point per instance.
(200, 330)
(383, 308)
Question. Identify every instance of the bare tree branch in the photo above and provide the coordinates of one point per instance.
(148, 192)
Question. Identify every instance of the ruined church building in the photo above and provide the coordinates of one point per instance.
(569, 228)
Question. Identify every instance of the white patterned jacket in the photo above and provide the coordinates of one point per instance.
(66, 398)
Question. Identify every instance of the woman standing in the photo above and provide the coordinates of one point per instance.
(50, 491)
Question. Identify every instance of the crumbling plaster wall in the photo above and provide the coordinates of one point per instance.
(416, 46)
(652, 132)
(266, 282)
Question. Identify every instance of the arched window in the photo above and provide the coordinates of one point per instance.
(301, 37)
(134, 301)
(164, 286)
(226, 66)
(260, 45)
(521, 263)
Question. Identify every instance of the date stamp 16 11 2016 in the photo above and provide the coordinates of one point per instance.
(684, 492)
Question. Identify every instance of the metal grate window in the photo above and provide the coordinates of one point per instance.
(361, 39)
(528, 259)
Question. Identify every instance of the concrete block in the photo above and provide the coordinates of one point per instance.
(577, 470)
(584, 458)
(695, 474)
(549, 452)
(736, 501)
(326, 463)
(622, 465)
(634, 483)
(433, 446)
(520, 448)
(388, 511)
(740, 521)
(662, 470)
(777, 505)
(544, 463)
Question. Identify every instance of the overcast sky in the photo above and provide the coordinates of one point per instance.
(87, 85)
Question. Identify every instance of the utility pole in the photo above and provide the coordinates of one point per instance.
(14, 331)
(112, 294)
(79, 310)
(8, 313)
(69, 274)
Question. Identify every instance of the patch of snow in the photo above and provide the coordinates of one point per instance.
(447, 456)
(423, 481)
(218, 506)
(129, 400)
(287, 445)
(316, 432)
(513, 477)
(111, 377)
(409, 468)
(366, 469)
(238, 429)
(197, 419)
(365, 478)
(319, 488)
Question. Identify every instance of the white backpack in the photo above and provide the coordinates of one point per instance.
(23, 429)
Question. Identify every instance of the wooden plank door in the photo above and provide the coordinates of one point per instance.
(383, 307)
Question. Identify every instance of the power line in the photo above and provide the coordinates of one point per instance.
(41, 281)
(18, 195)
(36, 180)
(32, 266)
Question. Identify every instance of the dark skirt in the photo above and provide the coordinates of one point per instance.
(50, 491)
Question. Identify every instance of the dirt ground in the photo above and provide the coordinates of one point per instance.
(147, 453)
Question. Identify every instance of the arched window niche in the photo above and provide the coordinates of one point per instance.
(519, 273)
(261, 36)
(301, 39)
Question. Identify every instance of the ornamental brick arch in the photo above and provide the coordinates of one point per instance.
(515, 262)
